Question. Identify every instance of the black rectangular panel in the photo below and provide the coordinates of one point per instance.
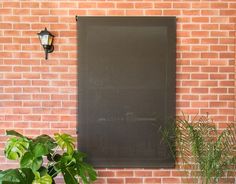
(126, 89)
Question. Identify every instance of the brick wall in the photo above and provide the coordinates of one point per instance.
(38, 96)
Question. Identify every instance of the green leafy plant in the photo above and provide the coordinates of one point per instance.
(199, 143)
(30, 153)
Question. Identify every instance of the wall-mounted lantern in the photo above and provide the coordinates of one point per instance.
(46, 39)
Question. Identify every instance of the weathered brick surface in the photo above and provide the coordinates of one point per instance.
(38, 96)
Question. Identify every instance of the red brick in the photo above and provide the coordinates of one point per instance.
(171, 12)
(116, 12)
(227, 41)
(209, 41)
(199, 104)
(133, 180)
(181, 5)
(152, 180)
(179, 173)
(21, 11)
(232, 5)
(227, 12)
(209, 55)
(49, 5)
(190, 41)
(50, 118)
(60, 12)
(183, 76)
(143, 173)
(124, 173)
(190, 55)
(143, 5)
(11, 19)
(218, 48)
(227, 55)
(5, 68)
(200, 5)
(49, 19)
(191, 12)
(191, 26)
(21, 40)
(161, 173)
(190, 83)
(199, 48)
(218, 90)
(153, 12)
(5, 40)
(200, 90)
(226, 69)
(162, 5)
(32, 118)
(200, 19)
(218, 76)
(210, 12)
(219, 5)
(21, 125)
(96, 12)
(209, 26)
(9, 4)
(115, 180)
(227, 97)
(87, 5)
(190, 69)
(6, 11)
(106, 5)
(134, 12)
(171, 180)
(68, 5)
(227, 27)
(125, 5)
(40, 12)
(29, 4)
(208, 83)
(218, 104)
(190, 97)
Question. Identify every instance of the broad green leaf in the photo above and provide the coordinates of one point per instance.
(16, 147)
(39, 150)
(69, 175)
(65, 141)
(47, 141)
(46, 179)
(14, 133)
(17, 176)
(66, 166)
(84, 170)
(80, 156)
(67, 160)
(42, 171)
(29, 161)
(87, 173)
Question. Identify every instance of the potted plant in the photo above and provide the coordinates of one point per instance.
(62, 158)
(199, 143)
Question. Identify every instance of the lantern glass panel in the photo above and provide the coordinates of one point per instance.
(44, 39)
(50, 38)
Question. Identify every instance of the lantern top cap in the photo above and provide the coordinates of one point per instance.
(45, 32)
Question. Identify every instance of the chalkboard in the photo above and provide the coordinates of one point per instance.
(126, 89)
